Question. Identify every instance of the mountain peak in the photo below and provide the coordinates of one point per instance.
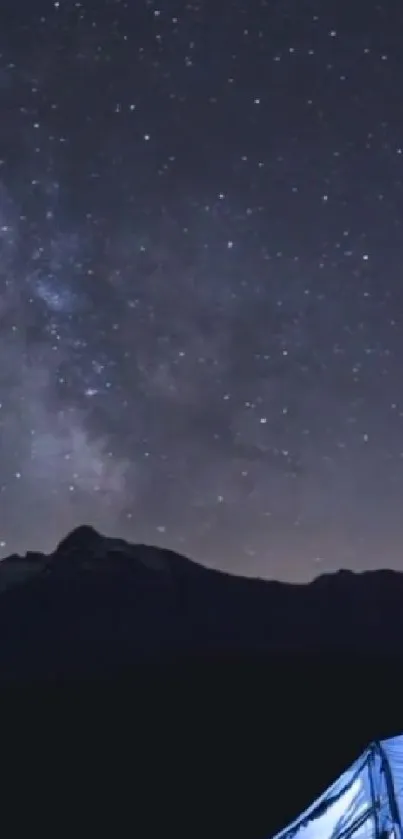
(84, 545)
(81, 537)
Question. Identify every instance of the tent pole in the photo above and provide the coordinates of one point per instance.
(394, 809)
(371, 766)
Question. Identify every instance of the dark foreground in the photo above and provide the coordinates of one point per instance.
(208, 749)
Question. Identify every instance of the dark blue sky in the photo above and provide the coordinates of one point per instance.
(200, 279)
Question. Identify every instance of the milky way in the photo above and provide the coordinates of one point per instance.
(200, 279)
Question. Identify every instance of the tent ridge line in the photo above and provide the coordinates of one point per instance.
(394, 807)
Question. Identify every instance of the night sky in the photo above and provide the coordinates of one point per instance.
(201, 291)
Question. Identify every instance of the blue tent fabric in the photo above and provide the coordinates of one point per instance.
(366, 802)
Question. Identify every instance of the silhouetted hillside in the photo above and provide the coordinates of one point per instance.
(98, 605)
(269, 709)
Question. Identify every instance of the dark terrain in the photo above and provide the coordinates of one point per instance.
(143, 693)
(98, 605)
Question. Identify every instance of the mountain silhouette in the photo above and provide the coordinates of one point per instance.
(98, 605)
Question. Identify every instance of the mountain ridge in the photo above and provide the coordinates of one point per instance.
(99, 604)
(86, 537)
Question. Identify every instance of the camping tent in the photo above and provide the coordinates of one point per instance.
(366, 802)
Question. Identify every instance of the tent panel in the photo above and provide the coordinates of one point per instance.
(345, 804)
(366, 802)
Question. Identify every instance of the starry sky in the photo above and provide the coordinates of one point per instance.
(201, 291)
